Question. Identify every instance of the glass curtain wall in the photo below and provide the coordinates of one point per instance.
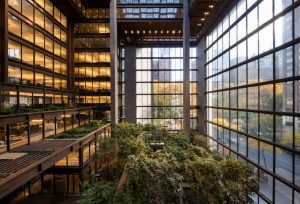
(37, 48)
(253, 93)
(159, 88)
(92, 62)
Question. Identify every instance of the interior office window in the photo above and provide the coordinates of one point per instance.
(14, 25)
(56, 31)
(27, 55)
(49, 44)
(27, 9)
(27, 32)
(14, 75)
(63, 52)
(27, 77)
(39, 18)
(49, 7)
(57, 49)
(284, 29)
(15, 4)
(41, 3)
(39, 79)
(14, 50)
(48, 25)
(63, 69)
(57, 66)
(57, 84)
(48, 63)
(39, 39)
(39, 59)
(48, 81)
(63, 84)
(57, 14)
(63, 20)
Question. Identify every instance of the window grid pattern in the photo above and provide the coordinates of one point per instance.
(159, 91)
(37, 43)
(92, 63)
(252, 83)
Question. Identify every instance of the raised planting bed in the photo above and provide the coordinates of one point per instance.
(78, 132)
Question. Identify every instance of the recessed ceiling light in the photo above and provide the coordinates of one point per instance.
(211, 6)
(199, 24)
(125, 31)
(138, 32)
(173, 31)
(202, 19)
(206, 13)
(132, 32)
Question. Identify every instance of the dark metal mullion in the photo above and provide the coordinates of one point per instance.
(261, 168)
(278, 48)
(274, 101)
(257, 138)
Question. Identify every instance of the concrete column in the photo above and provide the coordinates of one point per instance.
(130, 84)
(201, 99)
(186, 68)
(4, 41)
(114, 61)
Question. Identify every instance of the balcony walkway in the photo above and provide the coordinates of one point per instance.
(26, 162)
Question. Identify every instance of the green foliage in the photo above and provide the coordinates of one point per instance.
(99, 193)
(165, 175)
(78, 131)
(154, 178)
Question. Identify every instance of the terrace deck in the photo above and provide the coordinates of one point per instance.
(24, 163)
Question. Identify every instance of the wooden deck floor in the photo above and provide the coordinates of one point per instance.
(30, 154)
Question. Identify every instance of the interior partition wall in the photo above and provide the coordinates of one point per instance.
(159, 86)
(253, 93)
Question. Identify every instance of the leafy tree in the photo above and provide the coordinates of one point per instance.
(165, 175)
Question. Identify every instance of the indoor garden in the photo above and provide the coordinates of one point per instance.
(153, 165)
